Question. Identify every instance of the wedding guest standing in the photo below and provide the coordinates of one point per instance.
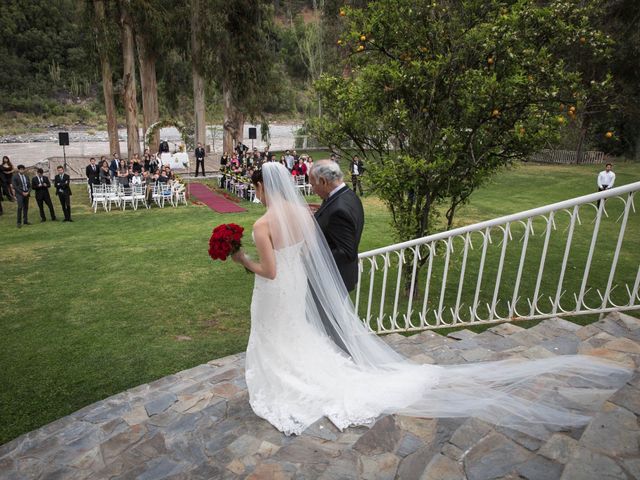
(114, 168)
(200, 154)
(357, 169)
(105, 174)
(22, 188)
(6, 172)
(93, 176)
(40, 184)
(63, 190)
(606, 178)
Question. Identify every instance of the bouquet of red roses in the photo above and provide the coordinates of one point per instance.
(225, 241)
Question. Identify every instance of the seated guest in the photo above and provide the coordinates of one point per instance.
(162, 177)
(224, 159)
(135, 179)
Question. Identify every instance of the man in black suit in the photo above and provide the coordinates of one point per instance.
(200, 159)
(341, 219)
(40, 183)
(63, 190)
(22, 187)
(114, 167)
(93, 175)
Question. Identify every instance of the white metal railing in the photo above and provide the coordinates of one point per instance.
(572, 267)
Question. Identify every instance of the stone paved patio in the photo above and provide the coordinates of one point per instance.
(197, 424)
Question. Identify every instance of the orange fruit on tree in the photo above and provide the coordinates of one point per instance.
(339, 42)
(360, 48)
(609, 134)
(342, 12)
(363, 38)
(583, 40)
(490, 60)
(495, 113)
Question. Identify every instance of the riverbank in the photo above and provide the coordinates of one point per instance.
(31, 148)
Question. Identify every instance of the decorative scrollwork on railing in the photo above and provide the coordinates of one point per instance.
(434, 283)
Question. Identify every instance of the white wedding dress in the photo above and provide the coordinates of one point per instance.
(296, 374)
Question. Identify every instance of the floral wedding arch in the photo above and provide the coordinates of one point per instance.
(185, 133)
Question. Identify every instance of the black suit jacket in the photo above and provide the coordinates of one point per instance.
(41, 191)
(200, 153)
(62, 184)
(93, 176)
(341, 219)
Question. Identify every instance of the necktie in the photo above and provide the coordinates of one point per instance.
(24, 182)
(40, 180)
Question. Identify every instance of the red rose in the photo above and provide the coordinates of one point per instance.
(226, 239)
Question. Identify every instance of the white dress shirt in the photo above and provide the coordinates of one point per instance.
(606, 179)
(335, 190)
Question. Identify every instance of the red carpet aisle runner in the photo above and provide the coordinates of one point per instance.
(213, 200)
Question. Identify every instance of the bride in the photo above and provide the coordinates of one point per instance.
(296, 374)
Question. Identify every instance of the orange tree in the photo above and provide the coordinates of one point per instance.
(439, 95)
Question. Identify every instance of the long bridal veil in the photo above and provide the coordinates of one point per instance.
(557, 391)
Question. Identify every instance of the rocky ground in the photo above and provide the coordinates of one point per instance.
(197, 424)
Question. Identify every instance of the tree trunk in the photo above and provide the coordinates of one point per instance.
(149, 85)
(198, 79)
(233, 121)
(129, 83)
(107, 80)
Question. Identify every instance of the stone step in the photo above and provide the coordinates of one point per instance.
(198, 424)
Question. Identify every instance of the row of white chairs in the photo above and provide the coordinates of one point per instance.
(240, 188)
(244, 189)
(162, 193)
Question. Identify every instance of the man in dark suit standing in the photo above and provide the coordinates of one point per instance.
(22, 187)
(63, 190)
(114, 167)
(341, 219)
(40, 183)
(200, 159)
(93, 175)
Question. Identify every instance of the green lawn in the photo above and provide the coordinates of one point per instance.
(113, 300)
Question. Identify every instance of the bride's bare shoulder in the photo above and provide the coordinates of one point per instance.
(261, 224)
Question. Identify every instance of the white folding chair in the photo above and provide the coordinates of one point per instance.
(167, 192)
(157, 195)
(99, 197)
(301, 184)
(112, 193)
(138, 196)
(126, 196)
(179, 193)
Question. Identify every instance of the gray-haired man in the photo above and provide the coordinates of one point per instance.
(341, 219)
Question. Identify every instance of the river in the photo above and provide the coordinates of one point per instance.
(29, 149)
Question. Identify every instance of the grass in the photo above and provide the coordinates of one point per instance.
(114, 300)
